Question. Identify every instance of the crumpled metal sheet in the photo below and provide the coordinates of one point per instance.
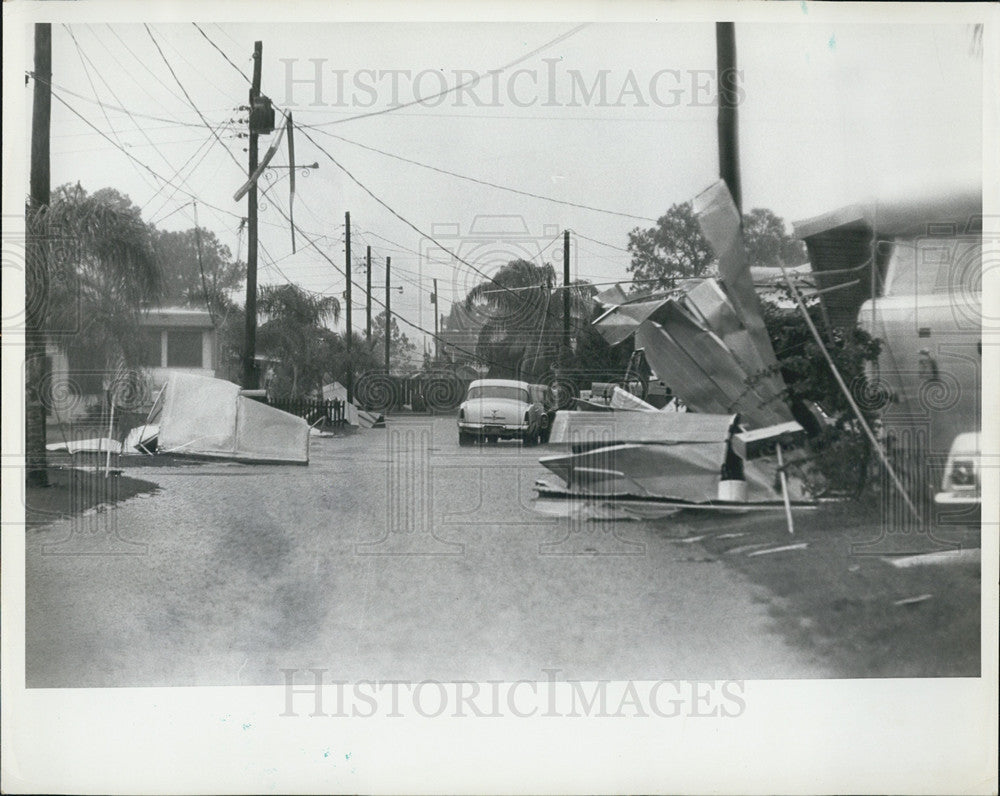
(709, 302)
(583, 430)
(621, 321)
(719, 221)
(680, 370)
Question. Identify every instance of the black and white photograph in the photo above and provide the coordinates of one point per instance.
(558, 398)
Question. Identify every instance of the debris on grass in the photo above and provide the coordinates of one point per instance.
(913, 600)
(783, 548)
(973, 556)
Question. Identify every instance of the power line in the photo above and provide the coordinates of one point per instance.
(406, 221)
(144, 65)
(458, 86)
(137, 160)
(190, 101)
(219, 49)
(487, 183)
(601, 242)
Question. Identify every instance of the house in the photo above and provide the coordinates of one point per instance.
(173, 339)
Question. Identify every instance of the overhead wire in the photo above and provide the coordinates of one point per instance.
(190, 101)
(458, 86)
(486, 183)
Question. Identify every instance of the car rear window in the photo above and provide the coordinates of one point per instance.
(499, 391)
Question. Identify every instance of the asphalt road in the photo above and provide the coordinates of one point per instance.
(394, 555)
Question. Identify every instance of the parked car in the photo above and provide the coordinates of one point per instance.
(496, 409)
(961, 486)
(543, 395)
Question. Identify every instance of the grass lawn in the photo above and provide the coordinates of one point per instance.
(840, 596)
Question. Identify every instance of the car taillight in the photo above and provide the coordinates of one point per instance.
(461, 414)
(963, 474)
(526, 417)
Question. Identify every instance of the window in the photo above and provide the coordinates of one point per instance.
(150, 342)
(498, 391)
(184, 349)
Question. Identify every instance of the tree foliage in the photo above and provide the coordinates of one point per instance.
(198, 270)
(675, 249)
(293, 331)
(519, 315)
(402, 351)
(671, 251)
(97, 273)
(767, 241)
(841, 452)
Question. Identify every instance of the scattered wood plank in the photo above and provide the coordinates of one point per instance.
(782, 549)
(914, 600)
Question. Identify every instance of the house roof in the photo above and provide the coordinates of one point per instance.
(184, 317)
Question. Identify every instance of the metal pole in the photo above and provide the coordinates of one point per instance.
(784, 489)
(347, 299)
(388, 312)
(249, 374)
(847, 394)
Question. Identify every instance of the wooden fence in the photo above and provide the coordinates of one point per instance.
(315, 412)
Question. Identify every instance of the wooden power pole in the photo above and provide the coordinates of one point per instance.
(36, 271)
(347, 299)
(566, 335)
(728, 122)
(249, 369)
(368, 295)
(388, 312)
(437, 323)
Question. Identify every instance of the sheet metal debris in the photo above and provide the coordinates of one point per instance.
(209, 417)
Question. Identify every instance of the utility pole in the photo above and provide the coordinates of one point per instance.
(36, 472)
(368, 295)
(566, 336)
(728, 123)
(249, 370)
(347, 298)
(388, 312)
(437, 321)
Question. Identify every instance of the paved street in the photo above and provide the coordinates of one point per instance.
(394, 555)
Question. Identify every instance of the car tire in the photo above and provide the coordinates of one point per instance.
(465, 439)
(493, 440)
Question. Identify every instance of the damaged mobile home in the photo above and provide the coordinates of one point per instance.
(709, 336)
(211, 418)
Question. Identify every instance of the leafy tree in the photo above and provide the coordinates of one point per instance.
(402, 351)
(842, 453)
(106, 272)
(675, 249)
(198, 269)
(519, 319)
(292, 330)
(90, 271)
(768, 243)
(671, 251)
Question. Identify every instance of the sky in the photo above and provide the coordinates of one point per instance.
(620, 118)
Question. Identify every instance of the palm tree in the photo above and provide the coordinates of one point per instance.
(91, 274)
(519, 313)
(294, 331)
